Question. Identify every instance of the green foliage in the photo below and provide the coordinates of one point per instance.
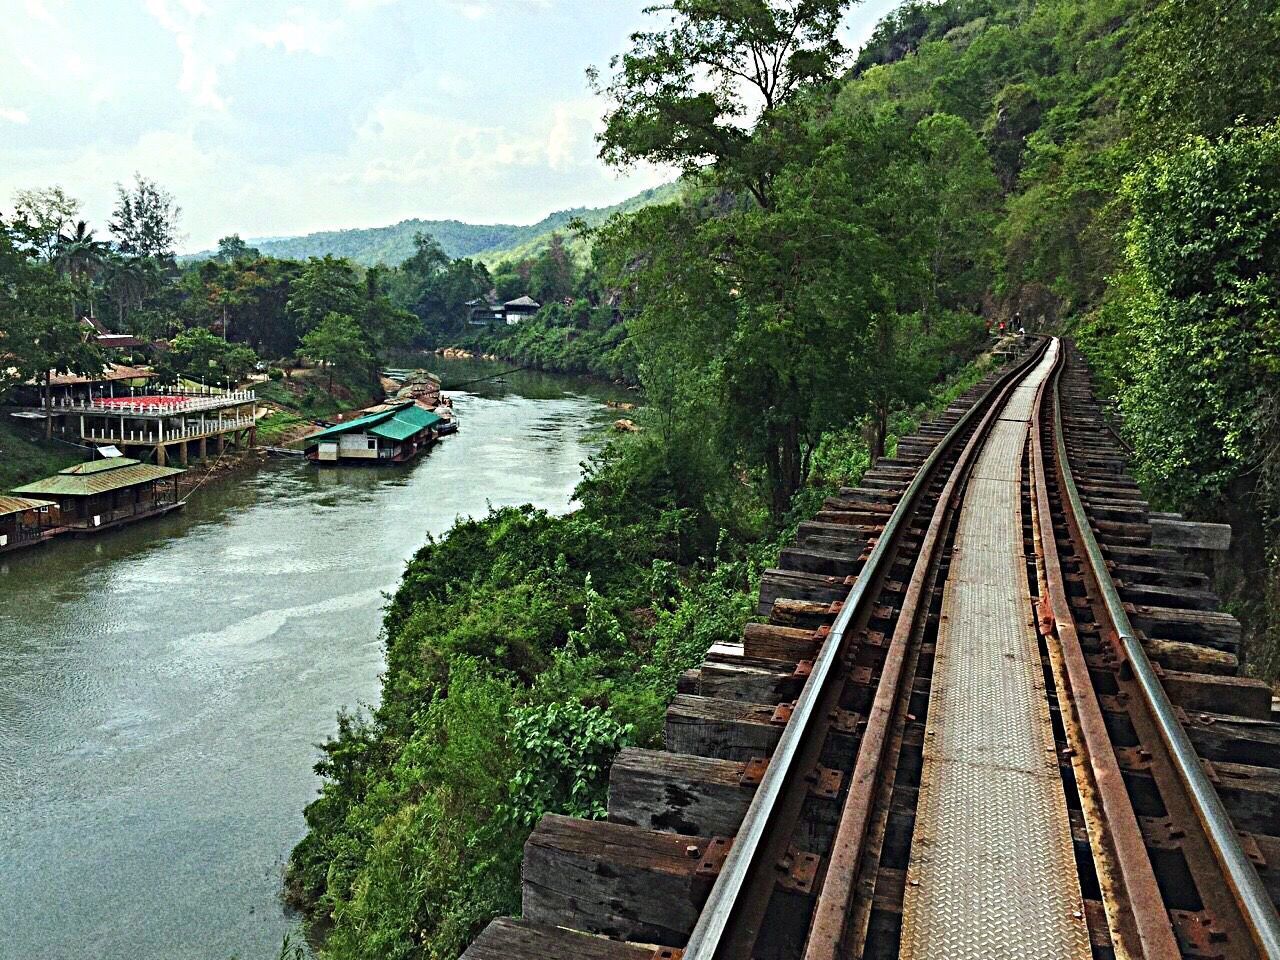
(200, 356)
(1204, 256)
(709, 88)
(337, 343)
(523, 651)
(1205, 66)
(145, 221)
(48, 213)
(327, 285)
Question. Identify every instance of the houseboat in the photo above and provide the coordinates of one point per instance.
(24, 521)
(393, 434)
(101, 494)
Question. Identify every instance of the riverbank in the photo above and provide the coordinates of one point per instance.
(25, 454)
(296, 402)
(549, 343)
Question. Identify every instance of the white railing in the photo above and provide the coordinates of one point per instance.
(186, 404)
(188, 431)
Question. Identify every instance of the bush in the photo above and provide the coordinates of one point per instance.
(275, 373)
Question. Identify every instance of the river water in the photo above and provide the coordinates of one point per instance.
(162, 688)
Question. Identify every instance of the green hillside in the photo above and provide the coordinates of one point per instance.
(491, 242)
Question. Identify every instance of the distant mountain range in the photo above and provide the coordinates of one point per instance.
(491, 243)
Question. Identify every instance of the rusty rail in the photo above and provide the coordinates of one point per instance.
(1257, 912)
(729, 922)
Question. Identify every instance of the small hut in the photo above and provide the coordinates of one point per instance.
(521, 308)
(100, 494)
(24, 521)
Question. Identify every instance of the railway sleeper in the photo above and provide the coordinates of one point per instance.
(509, 939)
(1210, 628)
(798, 585)
(620, 881)
(837, 563)
(708, 797)
(740, 730)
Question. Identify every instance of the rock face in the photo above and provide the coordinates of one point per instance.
(422, 388)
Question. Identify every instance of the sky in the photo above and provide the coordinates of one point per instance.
(276, 118)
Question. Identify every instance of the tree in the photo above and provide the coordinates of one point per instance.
(327, 285)
(198, 355)
(48, 212)
(709, 89)
(552, 276)
(428, 257)
(232, 248)
(1203, 66)
(145, 221)
(38, 334)
(337, 343)
(959, 216)
(1202, 384)
(509, 281)
(127, 282)
(386, 325)
(79, 257)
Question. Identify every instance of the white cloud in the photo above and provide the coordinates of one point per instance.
(199, 76)
(298, 33)
(14, 115)
(39, 10)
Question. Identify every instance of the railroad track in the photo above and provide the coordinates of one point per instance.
(989, 715)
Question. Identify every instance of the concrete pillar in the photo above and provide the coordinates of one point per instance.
(182, 452)
(160, 454)
(204, 448)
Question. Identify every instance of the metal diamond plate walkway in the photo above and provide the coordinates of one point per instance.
(992, 872)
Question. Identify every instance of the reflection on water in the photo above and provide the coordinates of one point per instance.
(162, 688)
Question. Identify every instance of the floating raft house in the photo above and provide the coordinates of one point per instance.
(100, 494)
(394, 435)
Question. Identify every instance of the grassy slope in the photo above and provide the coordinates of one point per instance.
(304, 398)
(26, 456)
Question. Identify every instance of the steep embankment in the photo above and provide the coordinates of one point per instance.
(25, 455)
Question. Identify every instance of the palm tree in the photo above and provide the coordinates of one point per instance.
(127, 281)
(79, 257)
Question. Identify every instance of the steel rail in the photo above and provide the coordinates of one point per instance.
(1256, 907)
(711, 931)
(1144, 929)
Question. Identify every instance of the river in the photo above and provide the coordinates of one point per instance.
(162, 688)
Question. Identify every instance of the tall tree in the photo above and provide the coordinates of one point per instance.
(145, 221)
(79, 257)
(232, 248)
(338, 343)
(553, 275)
(127, 282)
(708, 90)
(327, 285)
